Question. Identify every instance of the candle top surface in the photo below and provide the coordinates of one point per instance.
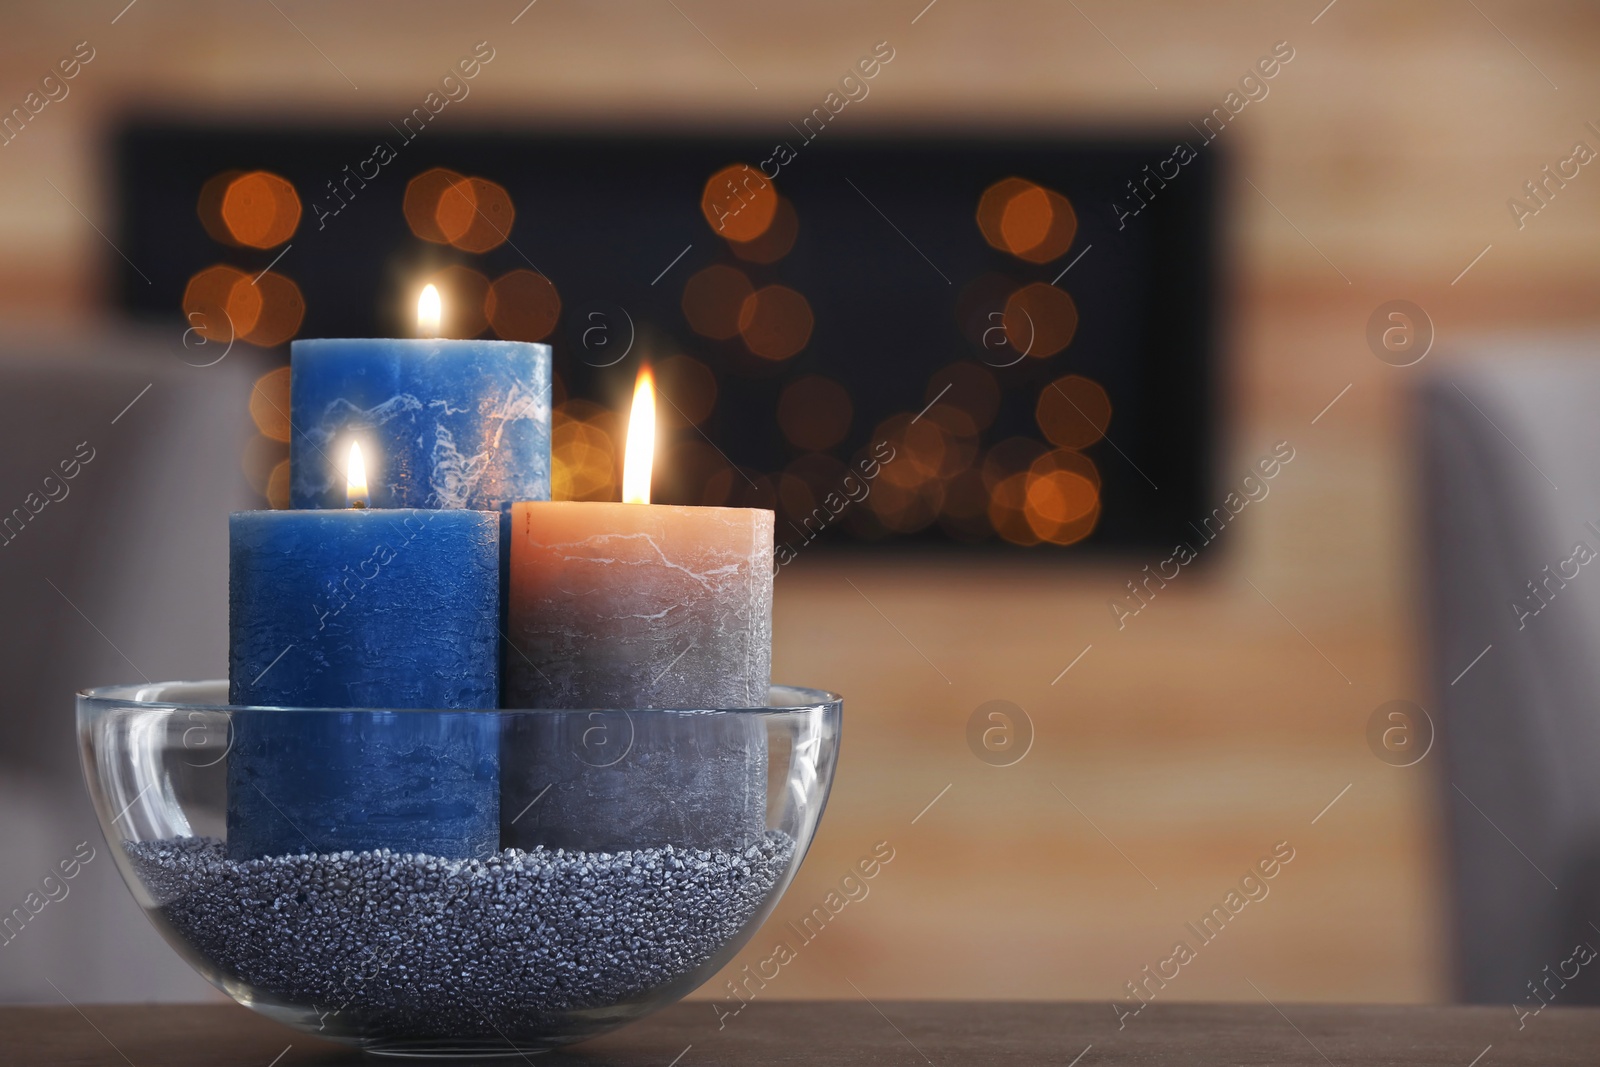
(643, 509)
(463, 515)
(316, 345)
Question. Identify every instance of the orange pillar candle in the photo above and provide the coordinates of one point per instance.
(629, 606)
(637, 605)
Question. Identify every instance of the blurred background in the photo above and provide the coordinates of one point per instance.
(1155, 737)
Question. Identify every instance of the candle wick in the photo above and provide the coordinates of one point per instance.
(358, 504)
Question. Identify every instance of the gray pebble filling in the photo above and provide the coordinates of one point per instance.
(394, 945)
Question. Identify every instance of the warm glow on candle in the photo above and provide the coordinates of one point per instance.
(356, 478)
(639, 454)
(429, 311)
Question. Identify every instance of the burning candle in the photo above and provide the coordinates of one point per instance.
(447, 423)
(363, 608)
(636, 605)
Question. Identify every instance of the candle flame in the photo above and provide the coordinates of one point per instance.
(430, 310)
(639, 455)
(356, 478)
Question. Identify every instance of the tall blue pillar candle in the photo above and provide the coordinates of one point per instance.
(363, 608)
(444, 424)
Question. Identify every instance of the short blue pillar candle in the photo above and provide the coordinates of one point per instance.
(364, 608)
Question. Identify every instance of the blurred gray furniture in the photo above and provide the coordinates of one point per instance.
(1510, 480)
(123, 576)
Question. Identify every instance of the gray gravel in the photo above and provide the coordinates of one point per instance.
(402, 945)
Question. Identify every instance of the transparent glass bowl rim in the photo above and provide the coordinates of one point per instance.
(783, 700)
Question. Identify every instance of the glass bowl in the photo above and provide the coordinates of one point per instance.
(455, 883)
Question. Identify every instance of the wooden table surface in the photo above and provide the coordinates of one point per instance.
(846, 1033)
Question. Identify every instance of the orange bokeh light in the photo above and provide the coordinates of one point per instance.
(775, 322)
(215, 307)
(1025, 220)
(280, 309)
(1065, 459)
(209, 206)
(278, 486)
(776, 242)
(1040, 320)
(910, 492)
(522, 306)
(475, 215)
(1073, 412)
(1033, 495)
(929, 448)
(260, 210)
(269, 404)
(906, 509)
(919, 450)
(814, 412)
(260, 458)
(713, 298)
(739, 202)
(254, 209)
(1028, 221)
(992, 205)
(583, 453)
(422, 202)
(1061, 507)
(1007, 510)
(222, 303)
